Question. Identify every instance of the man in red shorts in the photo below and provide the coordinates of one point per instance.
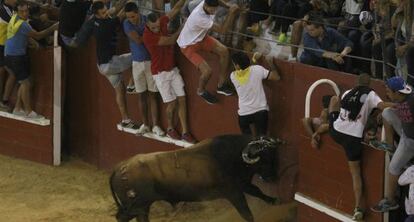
(193, 39)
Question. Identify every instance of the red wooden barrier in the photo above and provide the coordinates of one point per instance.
(25, 140)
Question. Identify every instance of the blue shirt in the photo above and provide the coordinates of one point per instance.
(332, 41)
(139, 52)
(16, 46)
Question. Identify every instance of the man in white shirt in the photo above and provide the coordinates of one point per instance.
(347, 120)
(193, 39)
(248, 81)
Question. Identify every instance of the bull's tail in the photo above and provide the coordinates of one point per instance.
(116, 198)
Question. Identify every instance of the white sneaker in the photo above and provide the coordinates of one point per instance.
(292, 59)
(34, 115)
(18, 112)
(143, 129)
(158, 131)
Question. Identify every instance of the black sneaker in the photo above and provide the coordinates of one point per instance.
(210, 99)
(225, 90)
(129, 125)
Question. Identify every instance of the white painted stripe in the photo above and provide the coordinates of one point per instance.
(341, 216)
(40, 122)
(57, 101)
(153, 136)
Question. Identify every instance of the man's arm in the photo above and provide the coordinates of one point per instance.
(169, 40)
(273, 73)
(383, 105)
(229, 20)
(135, 37)
(176, 9)
(116, 9)
(39, 35)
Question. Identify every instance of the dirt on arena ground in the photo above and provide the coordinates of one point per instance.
(79, 192)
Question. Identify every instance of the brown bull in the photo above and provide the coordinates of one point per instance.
(221, 167)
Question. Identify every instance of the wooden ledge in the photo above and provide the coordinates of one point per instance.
(40, 122)
(153, 136)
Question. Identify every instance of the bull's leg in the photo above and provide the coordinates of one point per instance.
(239, 202)
(143, 214)
(255, 191)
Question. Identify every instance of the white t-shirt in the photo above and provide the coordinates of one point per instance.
(356, 128)
(252, 97)
(196, 27)
(352, 7)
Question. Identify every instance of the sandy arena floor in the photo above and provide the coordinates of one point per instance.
(76, 191)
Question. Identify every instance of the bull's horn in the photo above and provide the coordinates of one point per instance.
(249, 160)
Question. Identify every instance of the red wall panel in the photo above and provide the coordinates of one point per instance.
(25, 140)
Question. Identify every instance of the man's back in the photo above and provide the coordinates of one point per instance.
(356, 127)
(196, 27)
(105, 31)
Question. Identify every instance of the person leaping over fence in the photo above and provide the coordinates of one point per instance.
(103, 25)
(194, 38)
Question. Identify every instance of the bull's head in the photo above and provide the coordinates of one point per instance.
(261, 155)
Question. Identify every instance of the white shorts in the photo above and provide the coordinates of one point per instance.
(170, 84)
(143, 80)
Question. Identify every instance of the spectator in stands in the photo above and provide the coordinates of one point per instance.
(18, 34)
(7, 81)
(407, 178)
(371, 42)
(400, 120)
(248, 81)
(104, 27)
(160, 45)
(193, 39)
(405, 37)
(134, 27)
(72, 15)
(347, 120)
(40, 21)
(325, 47)
(318, 125)
(329, 10)
(350, 26)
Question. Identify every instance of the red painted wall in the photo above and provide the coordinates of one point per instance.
(25, 140)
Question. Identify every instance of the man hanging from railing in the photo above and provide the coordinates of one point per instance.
(19, 33)
(400, 120)
(316, 126)
(248, 81)
(160, 45)
(141, 69)
(325, 47)
(347, 120)
(104, 25)
(194, 38)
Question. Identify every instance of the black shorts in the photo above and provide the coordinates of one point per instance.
(351, 144)
(2, 62)
(19, 65)
(259, 119)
